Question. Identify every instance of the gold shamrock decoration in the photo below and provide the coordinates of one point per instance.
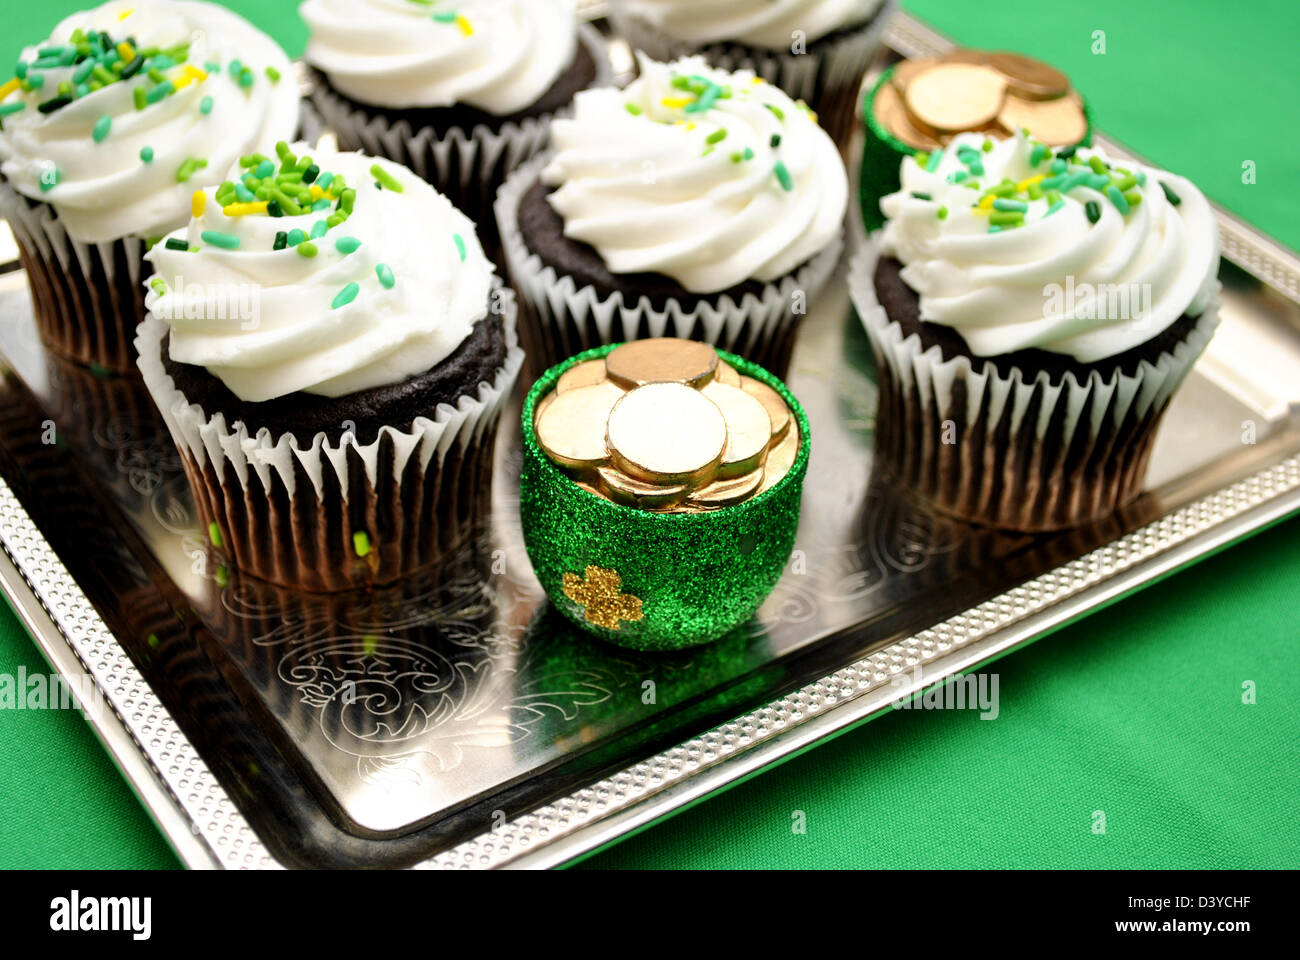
(601, 599)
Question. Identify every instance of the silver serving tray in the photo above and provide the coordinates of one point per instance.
(479, 730)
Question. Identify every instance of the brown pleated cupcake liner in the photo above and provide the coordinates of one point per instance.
(338, 514)
(467, 166)
(88, 297)
(827, 75)
(559, 318)
(1017, 452)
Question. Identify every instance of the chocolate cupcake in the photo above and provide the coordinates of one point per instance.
(331, 362)
(460, 93)
(817, 51)
(1030, 326)
(106, 129)
(696, 203)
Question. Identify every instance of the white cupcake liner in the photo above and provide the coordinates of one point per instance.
(559, 318)
(287, 512)
(468, 166)
(1028, 453)
(88, 296)
(827, 75)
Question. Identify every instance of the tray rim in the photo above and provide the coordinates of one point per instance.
(207, 830)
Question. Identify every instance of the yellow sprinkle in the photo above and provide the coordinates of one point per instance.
(986, 203)
(465, 28)
(812, 115)
(758, 80)
(198, 203)
(244, 209)
(1024, 184)
(9, 87)
(125, 50)
(982, 210)
(125, 13)
(183, 78)
(316, 192)
(677, 102)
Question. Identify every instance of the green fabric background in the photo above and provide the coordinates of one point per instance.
(1135, 711)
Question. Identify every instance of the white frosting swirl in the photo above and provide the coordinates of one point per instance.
(746, 189)
(774, 24)
(1058, 282)
(270, 322)
(105, 190)
(497, 55)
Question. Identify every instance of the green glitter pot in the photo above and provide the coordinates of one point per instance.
(655, 581)
(883, 153)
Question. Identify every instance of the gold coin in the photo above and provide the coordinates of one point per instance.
(889, 111)
(1057, 123)
(727, 374)
(749, 429)
(722, 493)
(776, 409)
(781, 459)
(590, 489)
(585, 374)
(541, 406)
(965, 55)
(571, 429)
(661, 360)
(954, 96)
(666, 433)
(905, 70)
(1029, 78)
(636, 493)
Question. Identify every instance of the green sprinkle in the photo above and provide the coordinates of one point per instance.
(1036, 155)
(976, 168)
(347, 244)
(214, 534)
(54, 103)
(264, 169)
(273, 74)
(235, 67)
(987, 145)
(146, 154)
(737, 156)
(10, 108)
(318, 229)
(281, 240)
(205, 106)
(306, 249)
(1096, 163)
(296, 237)
(942, 213)
(460, 246)
(717, 136)
(140, 97)
(1132, 197)
(776, 111)
(324, 180)
(83, 71)
(50, 179)
(311, 173)
(347, 199)
(360, 541)
(322, 204)
(227, 241)
(1057, 204)
(289, 207)
(1117, 198)
(386, 178)
(633, 109)
(775, 141)
(344, 297)
(1173, 198)
(385, 274)
(1017, 205)
(160, 91)
(1006, 218)
(1067, 153)
(1093, 211)
(1127, 182)
(749, 154)
(189, 168)
(783, 175)
(176, 243)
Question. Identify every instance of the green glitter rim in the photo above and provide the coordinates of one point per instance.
(883, 153)
(547, 381)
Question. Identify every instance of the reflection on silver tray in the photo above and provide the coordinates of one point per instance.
(455, 719)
